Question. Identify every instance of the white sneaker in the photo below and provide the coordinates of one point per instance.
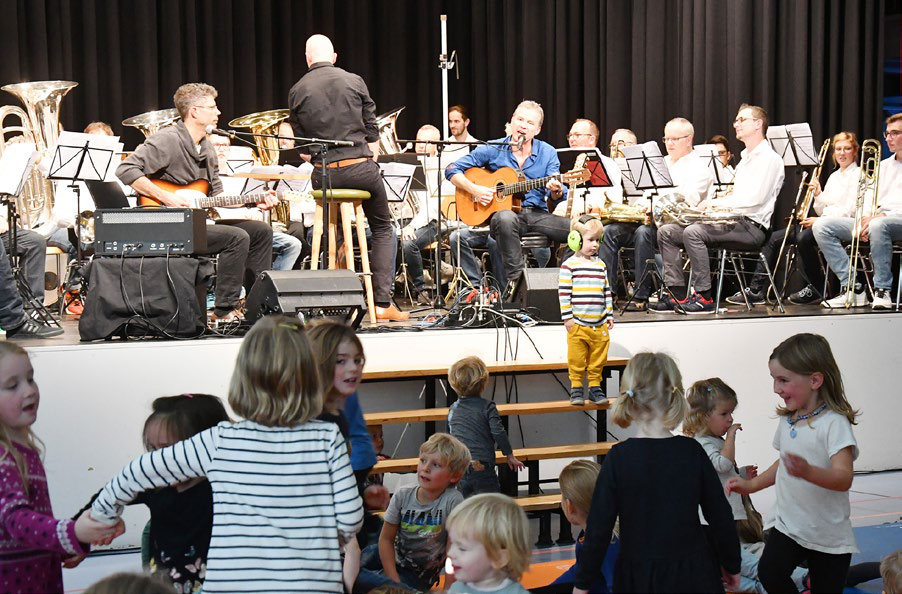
(881, 300)
(839, 302)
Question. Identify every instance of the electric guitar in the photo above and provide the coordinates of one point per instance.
(508, 189)
(197, 195)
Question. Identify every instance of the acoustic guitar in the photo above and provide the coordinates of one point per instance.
(509, 187)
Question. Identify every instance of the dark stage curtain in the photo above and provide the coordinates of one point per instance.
(624, 64)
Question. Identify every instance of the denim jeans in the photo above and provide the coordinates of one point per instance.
(480, 481)
(412, 257)
(468, 262)
(831, 234)
(882, 232)
(371, 574)
(643, 238)
(11, 313)
(286, 249)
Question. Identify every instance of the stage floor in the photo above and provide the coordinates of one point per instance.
(421, 317)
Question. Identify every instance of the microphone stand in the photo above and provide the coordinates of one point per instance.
(322, 146)
(439, 147)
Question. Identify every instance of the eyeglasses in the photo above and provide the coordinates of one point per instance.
(206, 106)
(739, 120)
(576, 135)
(722, 153)
(892, 133)
(667, 139)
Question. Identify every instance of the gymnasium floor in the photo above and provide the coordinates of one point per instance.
(876, 516)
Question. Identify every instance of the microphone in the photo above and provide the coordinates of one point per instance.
(211, 129)
(520, 142)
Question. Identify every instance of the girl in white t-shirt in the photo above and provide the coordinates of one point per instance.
(813, 475)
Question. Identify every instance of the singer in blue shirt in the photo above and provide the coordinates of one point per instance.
(532, 158)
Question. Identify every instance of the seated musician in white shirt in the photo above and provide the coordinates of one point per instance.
(880, 231)
(836, 201)
(758, 180)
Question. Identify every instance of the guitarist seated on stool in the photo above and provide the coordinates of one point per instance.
(533, 159)
(181, 154)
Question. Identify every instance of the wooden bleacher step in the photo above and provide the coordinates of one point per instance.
(497, 367)
(441, 414)
(580, 450)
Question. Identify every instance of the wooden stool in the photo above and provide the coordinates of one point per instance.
(350, 204)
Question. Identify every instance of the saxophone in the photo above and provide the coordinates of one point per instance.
(612, 212)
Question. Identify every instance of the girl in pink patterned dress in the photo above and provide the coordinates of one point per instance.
(33, 544)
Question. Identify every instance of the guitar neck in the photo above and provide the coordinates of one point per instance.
(228, 200)
(521, 187)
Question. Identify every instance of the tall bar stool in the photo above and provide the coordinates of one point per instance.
(350, 205)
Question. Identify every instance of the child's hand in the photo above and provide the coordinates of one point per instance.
(749, 472)
(737, 485)
(375, 497)
(514, 464)
(73, 562)
(610, 322)
(568, 324)
(796, 466)
(730, 580)
(87, 529)
(731, 432)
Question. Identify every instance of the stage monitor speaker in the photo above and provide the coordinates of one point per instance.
(537, 292)
(307, 294)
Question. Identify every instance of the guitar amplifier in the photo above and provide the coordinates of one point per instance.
(150, 231)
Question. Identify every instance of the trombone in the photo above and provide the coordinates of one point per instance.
(865, 206)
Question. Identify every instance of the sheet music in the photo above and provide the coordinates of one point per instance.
(708, 153)
(15, 166)
(240, 159)
(430, 166)
(98, 151)
(397, 178)
(646, 166)
(804, 154)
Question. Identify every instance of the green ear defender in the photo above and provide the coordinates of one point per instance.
(575, 238)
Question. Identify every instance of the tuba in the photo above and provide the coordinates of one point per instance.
(388, 135)
(673, 208)
(865, 206)
(40, 124)
(150, 122)
(264, 125)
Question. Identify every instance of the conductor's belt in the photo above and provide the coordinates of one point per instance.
(342, 163)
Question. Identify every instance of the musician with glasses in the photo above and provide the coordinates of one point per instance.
(181, 154)
(722, 146)
(691, 178)
(880, 231)
(584, 134)
(835, 202)
(329, 102)
(534, 159)
(759, 177)
(620, 138)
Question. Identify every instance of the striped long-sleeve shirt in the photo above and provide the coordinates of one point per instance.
(584, 291)
(281, 496)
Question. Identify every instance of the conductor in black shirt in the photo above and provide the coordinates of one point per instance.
(329, 102)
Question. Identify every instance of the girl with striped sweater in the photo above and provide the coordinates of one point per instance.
(284, 495)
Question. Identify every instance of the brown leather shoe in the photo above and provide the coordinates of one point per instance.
(390, 314)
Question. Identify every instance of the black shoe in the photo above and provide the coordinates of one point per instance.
(422, 297)
(32, 329)
(639, 304)
(698, 305)
(665, 304)
(510, 291)
(754, 297)
(804, 296)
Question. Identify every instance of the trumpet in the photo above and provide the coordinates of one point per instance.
(865, 206)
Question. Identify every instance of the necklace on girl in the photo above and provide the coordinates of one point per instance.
(814, 413)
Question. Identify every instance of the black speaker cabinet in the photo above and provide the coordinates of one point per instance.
(538, 292)
(307, 294)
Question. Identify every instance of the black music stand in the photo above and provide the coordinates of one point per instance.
(646, 168)
(398, 173)
(15, 169)
(714, 164)
(598, 173)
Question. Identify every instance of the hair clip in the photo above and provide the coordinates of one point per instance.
(630, 393)
(708, 389)
(290, 325)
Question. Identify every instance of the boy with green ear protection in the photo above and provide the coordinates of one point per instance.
(586, 308)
